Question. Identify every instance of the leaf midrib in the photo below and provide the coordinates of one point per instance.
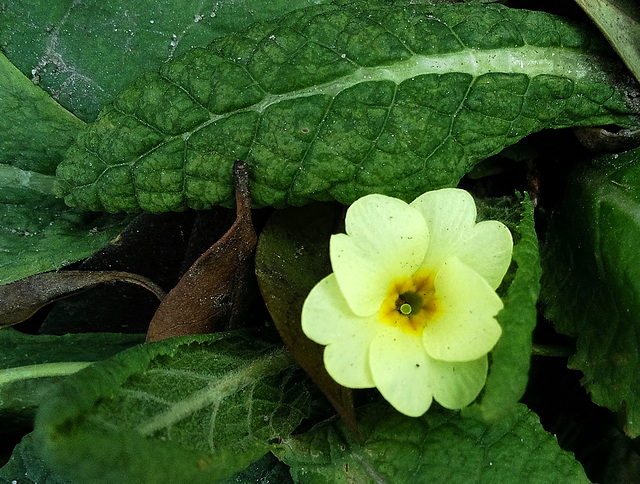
(216, 391)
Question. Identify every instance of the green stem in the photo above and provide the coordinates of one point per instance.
(40, 371)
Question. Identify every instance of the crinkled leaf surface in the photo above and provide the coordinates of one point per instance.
(189, 409)
(25, 466)
(440, 447)
(333, 102)
(591, 283)
(84, 53)
(510, 359)
(38, 232)
(30, 364)
(619, 21)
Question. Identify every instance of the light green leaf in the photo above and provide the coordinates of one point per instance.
(84, 53)
(30, 365)
(591, 281)
(190, 409)
(38, 232)
(439, 448)
(510, 359)
(619, 21)
(334, 102)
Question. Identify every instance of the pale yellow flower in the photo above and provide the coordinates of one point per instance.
(411, 305)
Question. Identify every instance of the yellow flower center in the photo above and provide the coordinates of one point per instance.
(410, 304)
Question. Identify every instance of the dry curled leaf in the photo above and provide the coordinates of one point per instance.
(212, 295)
(23, 298)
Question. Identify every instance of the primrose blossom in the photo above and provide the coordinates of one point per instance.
(411, 305)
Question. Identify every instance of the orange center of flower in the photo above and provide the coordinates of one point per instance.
(410, 304)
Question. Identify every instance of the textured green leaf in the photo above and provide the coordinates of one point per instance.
(189, 409)
(619, 21)
(30, 364)
(84, 53)
(440, 448)
(26, 466)
(591, 282)
(333, 102)
(510, 358)
(37, 231)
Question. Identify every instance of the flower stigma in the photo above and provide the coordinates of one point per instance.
(411, 304)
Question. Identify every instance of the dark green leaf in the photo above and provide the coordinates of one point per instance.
(440, 448)
(334, 102)
(264, 471)
(510, 358)
(26, 466)
(84, 53)
(619, 21)
(292, 256)
(591, 282)
(189, 409)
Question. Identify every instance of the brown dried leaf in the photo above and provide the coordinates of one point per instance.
(291, 257)
(212, 295)
(23, 298)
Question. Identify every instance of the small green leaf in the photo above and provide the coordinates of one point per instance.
(440, 447)
(509, 373)
(48, 40)
(619, 21)
(591, 281)
(337, 101)
(188, 409)
(30, 365)
(26, 466)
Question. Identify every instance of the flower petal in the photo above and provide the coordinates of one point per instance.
(466, 328)
(456, 385)
(450, 214)
(386, 239)
(328, 320)
(487, 250)
(401, 370)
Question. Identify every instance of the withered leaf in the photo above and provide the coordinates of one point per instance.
(21, 299)
(291, 257)
(213, 294)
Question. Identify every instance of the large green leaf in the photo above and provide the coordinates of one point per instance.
(189, 409)
(84, 53)
(439, 448)
(333, 102)
(591, 282)
(37, 231)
